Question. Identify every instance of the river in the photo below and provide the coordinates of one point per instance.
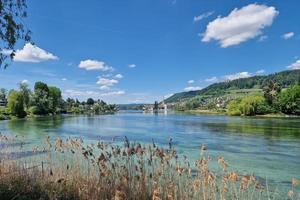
(267, 147)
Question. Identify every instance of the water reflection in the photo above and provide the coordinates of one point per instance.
(268, 147)
(36, 127)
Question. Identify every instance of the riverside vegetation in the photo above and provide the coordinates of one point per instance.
(259, 95)
(46, 100)
(72, 169)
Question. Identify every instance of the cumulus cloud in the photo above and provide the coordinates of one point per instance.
(32, 53)
(106, 83)
(119, 76)
(95, 94)
(240, 25)
(94, 65)
(63, 79)
(202, 16)
(191, 81)
(132, 65)
(239, 75)
(192, 88)
(295, 65)
(24, 81)
(288, 35)
(211, 79)
(261, 71)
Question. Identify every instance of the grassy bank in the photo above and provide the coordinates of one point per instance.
(72, 169)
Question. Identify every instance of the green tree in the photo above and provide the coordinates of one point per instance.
(41, 98)
(249, 105)
(90, 101)
(289, 100)
(55, 100)
(16, 104)
(271, 90)
(3, 93)
(12, 27)
(233, 108)
(25, 91)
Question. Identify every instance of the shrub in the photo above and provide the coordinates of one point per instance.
(289, 100)
(249, 105)
(234, 108)
(16, 104)
(33, 110)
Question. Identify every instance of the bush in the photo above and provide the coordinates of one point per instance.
(33, 110)
(249, 105)
(289, 100)
(16, 104)
(234, 108)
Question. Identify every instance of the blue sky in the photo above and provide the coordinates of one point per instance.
(140, 50)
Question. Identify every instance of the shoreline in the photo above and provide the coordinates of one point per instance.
(192, 112)
(218, 113)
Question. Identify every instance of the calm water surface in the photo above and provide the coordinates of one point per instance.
(269, 148)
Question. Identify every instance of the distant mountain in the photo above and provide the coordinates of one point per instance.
(284, 78)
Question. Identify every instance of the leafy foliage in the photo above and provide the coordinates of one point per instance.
(45, 100)
(3, 93)
(16, 104)
(12, 27)
(41, 99)
(289, 100)
(271, 90)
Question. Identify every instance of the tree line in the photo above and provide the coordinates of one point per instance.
(46, 100)
(274, 100)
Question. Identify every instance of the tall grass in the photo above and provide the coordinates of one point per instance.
(71, 169)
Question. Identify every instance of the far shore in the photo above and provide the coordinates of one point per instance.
(215, 112)
(193, 112)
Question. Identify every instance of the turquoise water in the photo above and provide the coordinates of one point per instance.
(269, 148)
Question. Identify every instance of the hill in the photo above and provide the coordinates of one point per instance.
(254, 83)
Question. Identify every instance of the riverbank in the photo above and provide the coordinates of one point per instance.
(223, 113)
(125, 171)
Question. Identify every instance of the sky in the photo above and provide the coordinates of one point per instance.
(139, 51)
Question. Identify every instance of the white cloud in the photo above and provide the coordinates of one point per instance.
(239, 75)
(202, 16)
(24, 81)
(104, 87)
(192, 88)
(114, 93)
(288, 35)
(106, 83)
(240, 25)
(94, 65)
(262, 71)
(95, 94)
(63, 79)
(119, 76)
(262, 38)
(191, 81)
(295, 65)
(32, 53)
(132, 65)
(212, 79)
